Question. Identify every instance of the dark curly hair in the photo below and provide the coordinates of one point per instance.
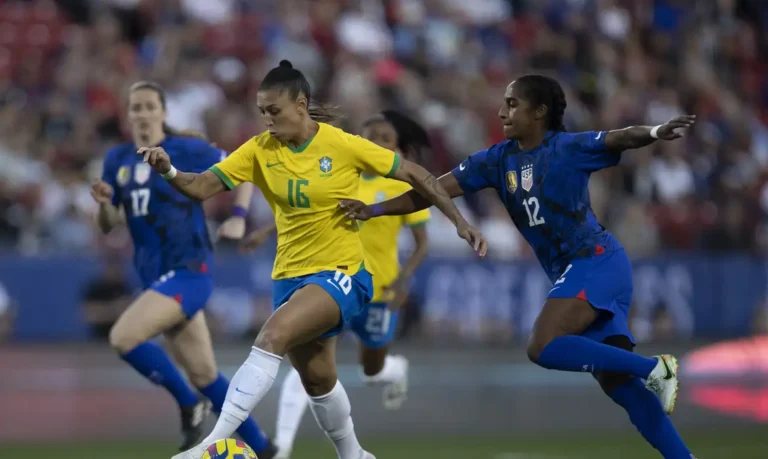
(412, 139)
(541, 90)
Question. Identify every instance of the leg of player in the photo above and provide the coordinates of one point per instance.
(309, 313)
(192, 347)
(150, 315)
(290, 410)
(642, 406)
(555, 344)
(376, 328)
(316, 364)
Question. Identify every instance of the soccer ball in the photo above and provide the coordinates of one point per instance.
(229, 449)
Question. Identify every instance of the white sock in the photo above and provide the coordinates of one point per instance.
(246, 389)
(333, 414)
(392, 371)
(293, 403)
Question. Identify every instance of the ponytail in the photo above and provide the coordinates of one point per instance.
(324, 113)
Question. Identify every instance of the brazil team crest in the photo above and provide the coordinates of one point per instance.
(512, 181)
(526, 176)
(123, 175)
(326, 164)
(141, 173)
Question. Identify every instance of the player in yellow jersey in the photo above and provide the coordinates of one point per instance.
(377, 323)
(304, 168)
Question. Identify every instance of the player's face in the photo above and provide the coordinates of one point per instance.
(282, 114)
(145, 111)
(382, 134)
(517, 114)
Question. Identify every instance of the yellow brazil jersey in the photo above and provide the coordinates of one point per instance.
(379, 235)
(303, 186)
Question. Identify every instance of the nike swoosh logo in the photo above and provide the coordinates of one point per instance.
(273, 165)
(668, 374)
(462, 166)
(599, 134)
(237, 389)
(331, 282)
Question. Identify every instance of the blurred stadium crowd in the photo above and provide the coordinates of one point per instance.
(65, 67)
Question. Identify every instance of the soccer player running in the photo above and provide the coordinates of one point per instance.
(172, 255)
(303, 168)
(541, 174)
(377, 323)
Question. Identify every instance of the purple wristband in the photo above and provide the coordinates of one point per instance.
(377, 210)
(239, 211)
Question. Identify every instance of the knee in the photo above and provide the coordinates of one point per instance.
(274, 340)
(318, 381)
(536, 344)
(122, 340)
(202, 374)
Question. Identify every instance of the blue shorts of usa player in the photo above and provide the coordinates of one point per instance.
(604, 280)
(350, 292)
(191, 288)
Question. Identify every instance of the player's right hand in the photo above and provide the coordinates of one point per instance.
(256, 238)
(157, 158)
(355, 209)
(102, 192)
(473, 236)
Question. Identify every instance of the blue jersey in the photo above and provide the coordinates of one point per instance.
(545, 191)
(168, 229)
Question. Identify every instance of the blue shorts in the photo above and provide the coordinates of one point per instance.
(605, 281)
(191, 289)
(350, 292)
(375, 325)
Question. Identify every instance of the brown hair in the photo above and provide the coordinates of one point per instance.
(152, 86)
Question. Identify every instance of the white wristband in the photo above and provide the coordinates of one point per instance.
(171, 173)
(655, 131)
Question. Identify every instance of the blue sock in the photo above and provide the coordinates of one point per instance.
(249, 430)
(150, 360)
(577, 353)
(646, 414)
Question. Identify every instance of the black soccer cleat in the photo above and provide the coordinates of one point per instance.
(269, 452)
(192, 420)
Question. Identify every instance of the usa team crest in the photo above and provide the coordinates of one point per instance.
(512, 181)
(526, 175)
(326, 164)
(141, 173)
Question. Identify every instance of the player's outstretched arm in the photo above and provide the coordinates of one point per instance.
(640, 136)
(194, 186)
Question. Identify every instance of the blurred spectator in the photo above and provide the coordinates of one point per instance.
(7, 315)
(62, 92)
(106, 297)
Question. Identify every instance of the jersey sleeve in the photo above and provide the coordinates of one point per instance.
(238, 167)
(372, 158)
(479, 171)
(417, 218)
(109, 175)
(588, 150)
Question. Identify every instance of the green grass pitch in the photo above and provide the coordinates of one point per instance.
(751, 443)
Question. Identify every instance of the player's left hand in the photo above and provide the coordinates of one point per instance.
(673, 129)
(255, 239)
(157, 158)
(400, 295)
(473, 236)
(355, 209)
(232, 228)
